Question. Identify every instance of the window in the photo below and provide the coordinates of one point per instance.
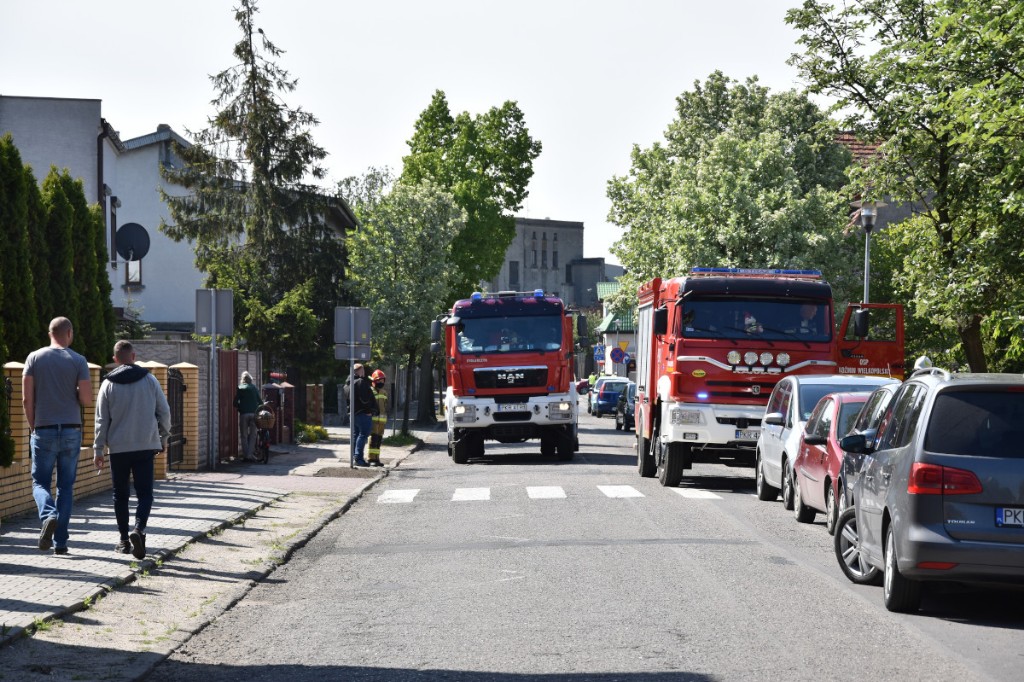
(555, 237)
(513, 275)
(544, 259)
(901, 421)
(133, 274)
(535, 258)
(817, 424)
(554, 260)
(981, 422)
(568, 274)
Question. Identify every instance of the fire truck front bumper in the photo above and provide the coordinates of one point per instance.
(730, 426)
(475, 413)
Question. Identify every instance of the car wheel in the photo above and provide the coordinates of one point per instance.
(765, 491)
(831, 510)
(847, 548)
(801, 512)
(900, 594)
(645, 463)
(787, 485)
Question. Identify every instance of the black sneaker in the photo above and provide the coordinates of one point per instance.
(60, 550)
(138, 541)
(46, 534)
(124, 546)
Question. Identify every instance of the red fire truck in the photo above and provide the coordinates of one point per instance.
(509, 362)
(712, 345)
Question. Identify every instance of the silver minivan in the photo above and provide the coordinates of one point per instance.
(789, 407)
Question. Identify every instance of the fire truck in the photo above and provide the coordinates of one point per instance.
(509, 369)
(712, 345)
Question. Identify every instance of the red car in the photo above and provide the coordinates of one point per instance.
(819, 458)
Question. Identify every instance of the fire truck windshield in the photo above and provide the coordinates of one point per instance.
(773, 320)
(510, 334)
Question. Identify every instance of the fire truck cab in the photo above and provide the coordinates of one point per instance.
(712, 345)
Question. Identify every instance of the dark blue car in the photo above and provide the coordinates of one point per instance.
(606, 395)
(624, 408)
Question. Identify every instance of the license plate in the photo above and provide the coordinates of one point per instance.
(1010, 517)
(747, 434)
(512, 407)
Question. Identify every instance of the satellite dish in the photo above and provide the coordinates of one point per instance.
(132, 241)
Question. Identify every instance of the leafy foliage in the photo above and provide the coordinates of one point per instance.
(485, 162)
(17, 304)
(256, 225)
(744, 178)
(932, 80)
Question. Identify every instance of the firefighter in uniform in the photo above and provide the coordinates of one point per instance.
(379, 420)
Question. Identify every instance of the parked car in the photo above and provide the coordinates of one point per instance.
(941, 491)
(606, 394)
(789, 407)
(819, 458)
(867, 424)
(624, 408)
(583, 386)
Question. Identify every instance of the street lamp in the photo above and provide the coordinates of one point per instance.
(868, 213)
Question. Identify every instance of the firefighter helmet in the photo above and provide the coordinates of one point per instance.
(378, 377)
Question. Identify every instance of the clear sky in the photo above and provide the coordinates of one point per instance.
(592, 77)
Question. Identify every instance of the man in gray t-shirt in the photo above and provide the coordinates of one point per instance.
(55, 388)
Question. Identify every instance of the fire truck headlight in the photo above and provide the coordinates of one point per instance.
(733, 358)
(561, 410)
(465, 413)
(678, 417)
(782, 359)
(750, 357)
(766, 358)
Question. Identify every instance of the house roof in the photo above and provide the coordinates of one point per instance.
(163, 133)
(606, 290)
(614, 323)
(862, 151)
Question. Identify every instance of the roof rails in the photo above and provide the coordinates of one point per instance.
(938, 371)
(757, 272)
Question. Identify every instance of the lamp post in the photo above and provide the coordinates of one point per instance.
(868, 213)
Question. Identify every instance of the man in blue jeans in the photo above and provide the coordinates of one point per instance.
(364, 407)
(55, 388)
(133, 421)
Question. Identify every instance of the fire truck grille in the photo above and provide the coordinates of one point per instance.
(511, 377)
(738, 422)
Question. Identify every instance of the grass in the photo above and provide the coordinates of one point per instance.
(401, 439)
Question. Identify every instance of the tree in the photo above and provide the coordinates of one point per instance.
(18, 305)
(923, 78)
(744, 178)
(256, 224)
(58, 235)
(39, 252)
(405, 268)
(485, 162)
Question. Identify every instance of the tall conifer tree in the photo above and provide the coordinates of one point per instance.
(18, 306)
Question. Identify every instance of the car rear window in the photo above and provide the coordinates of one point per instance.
(980, 423)
(810, 394)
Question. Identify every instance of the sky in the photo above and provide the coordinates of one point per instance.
(592, 77)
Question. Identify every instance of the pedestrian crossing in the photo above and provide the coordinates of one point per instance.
(543, 492)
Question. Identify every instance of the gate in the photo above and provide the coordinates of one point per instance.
(176, 397)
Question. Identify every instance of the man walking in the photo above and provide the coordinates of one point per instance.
(380, 419)
(247, 401)
(364, 405)
(55, 388)
(133, 421)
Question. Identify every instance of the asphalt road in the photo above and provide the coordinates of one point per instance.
(515, 567)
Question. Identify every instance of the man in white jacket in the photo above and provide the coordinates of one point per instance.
(133, 421)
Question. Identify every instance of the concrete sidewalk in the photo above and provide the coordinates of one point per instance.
(37, 586)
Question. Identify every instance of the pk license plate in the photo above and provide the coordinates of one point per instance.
(512, 407)
(747, 434)
(1010, 517)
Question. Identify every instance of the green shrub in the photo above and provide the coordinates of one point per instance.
(309, 433)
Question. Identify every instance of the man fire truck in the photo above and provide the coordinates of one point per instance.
(509, 362)
(712, 345)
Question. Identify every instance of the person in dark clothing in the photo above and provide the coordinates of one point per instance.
(364, 407)
(247, 401)
(133, 421)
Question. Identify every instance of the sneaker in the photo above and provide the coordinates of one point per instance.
(46, 534)
(362, 463)
(138, 541)
(124, 546)
(60, 550)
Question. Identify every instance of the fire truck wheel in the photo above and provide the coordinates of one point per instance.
(547, 447)
(645, 463)
(461, 449)
(765, 491)
(566, 448)
(670, 469)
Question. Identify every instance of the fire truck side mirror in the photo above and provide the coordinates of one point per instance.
(435, 347)
(660, 322)
(435, 332)
(861, 323)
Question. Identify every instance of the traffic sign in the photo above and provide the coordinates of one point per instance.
(617, 355)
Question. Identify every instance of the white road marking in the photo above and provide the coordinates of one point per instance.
(620, 491)
(696, 494)
(397, 496)
(471, 495)
(545, 492)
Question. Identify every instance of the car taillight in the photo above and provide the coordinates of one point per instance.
(934, 479)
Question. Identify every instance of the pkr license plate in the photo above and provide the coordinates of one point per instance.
(1010, 517)
(512, 407)
(747, 434)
